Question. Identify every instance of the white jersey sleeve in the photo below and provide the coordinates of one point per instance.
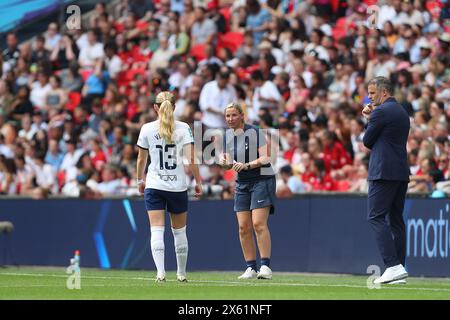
(143, 135)
(166, 169)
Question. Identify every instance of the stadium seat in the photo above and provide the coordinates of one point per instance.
(61, 177)
(119, 27)
(230, 40)
(339, 30)
(74, 100)
(370, 2)
(85, 74)
(198, 52)
(343, 185)
(142, 25)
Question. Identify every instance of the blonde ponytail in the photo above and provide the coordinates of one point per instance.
(165, 100)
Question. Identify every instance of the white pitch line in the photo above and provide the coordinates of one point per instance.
(238, 283)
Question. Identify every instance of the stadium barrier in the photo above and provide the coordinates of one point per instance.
(309, 234)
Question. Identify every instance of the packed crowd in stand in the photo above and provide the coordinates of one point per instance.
(72, 101)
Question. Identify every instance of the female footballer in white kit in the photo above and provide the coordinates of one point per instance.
(167, 142)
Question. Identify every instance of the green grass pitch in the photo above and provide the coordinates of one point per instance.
(50, 283)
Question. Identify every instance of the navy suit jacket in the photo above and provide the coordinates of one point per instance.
(386, 135)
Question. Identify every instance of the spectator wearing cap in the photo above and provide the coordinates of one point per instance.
(425, 53)
(214, 97)
(274, 55)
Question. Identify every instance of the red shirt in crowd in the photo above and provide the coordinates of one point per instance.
(335, 157)
(326, 183)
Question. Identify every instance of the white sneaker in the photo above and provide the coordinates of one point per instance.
(248, 274)
(402, 281)
(394, 273)
(160, 279)
(181, 278)
(265, 273)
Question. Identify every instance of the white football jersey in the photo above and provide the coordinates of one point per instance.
(166, 169)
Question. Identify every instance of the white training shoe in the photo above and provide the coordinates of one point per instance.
(394, 273)
(265, 273)
(402, 281)
(160, 279)
(248, 274)
(181, 278)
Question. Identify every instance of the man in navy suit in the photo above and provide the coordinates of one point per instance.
(386, 136)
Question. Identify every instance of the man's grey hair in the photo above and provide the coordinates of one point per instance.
(382, 83)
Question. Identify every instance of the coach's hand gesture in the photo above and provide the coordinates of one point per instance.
(367, 111)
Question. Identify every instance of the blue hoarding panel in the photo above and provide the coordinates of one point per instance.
(311, 234)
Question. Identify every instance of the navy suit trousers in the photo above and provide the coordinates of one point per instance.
(386, 202)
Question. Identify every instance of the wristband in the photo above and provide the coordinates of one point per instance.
(140, 181)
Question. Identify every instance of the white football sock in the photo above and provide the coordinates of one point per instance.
(157, 245)
(181, 249)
